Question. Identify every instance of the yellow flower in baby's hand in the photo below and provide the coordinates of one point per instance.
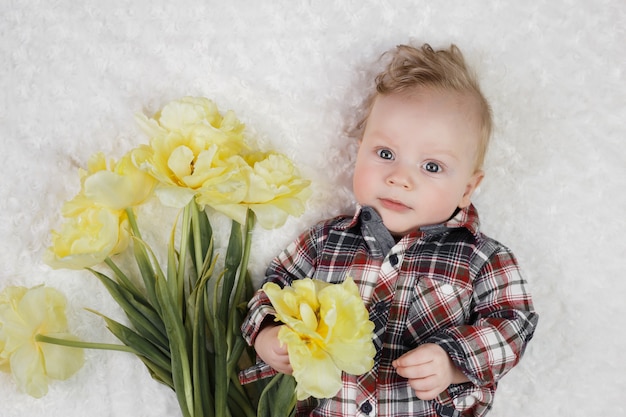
(90, 234)
(191, 143)
(25, 313)
(327, 330)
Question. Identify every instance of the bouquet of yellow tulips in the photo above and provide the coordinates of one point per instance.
(185, 317)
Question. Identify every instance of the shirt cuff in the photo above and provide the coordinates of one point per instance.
(454, 349)
(255, 321)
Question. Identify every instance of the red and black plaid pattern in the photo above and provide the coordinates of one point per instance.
(447, 284)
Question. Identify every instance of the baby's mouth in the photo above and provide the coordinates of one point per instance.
(393, 204)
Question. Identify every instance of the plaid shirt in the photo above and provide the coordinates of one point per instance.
(446, 284)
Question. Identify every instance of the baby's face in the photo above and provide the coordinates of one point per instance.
(416, 161)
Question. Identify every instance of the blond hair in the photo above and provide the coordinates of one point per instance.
(411, 68)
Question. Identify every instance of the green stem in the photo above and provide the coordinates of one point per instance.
(178, 289)
(133, 222)
(220, 356)
(181, 372)
(84, 345)
(245, 258)
(197, 241)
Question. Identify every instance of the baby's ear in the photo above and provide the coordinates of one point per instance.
(471, 186)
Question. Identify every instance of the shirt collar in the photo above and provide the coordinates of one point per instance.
(465, 218)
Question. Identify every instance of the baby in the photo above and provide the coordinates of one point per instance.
(452, 313)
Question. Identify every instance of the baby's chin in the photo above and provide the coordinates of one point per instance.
(399, 229)
(398, 232)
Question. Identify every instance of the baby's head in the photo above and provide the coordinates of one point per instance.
(423, 141)
(411, 69)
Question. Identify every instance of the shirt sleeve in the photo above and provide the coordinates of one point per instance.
(503, 322)
(297, 261)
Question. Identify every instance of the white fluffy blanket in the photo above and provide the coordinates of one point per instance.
(72, 75)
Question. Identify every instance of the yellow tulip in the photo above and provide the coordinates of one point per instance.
(90, 234)
(122, 184)
(191, 143)
(272, 188)
(96, 225)
(276, 190)
(199, 120)
(25, 313)
(327, 330)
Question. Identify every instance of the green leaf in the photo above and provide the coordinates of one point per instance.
(151, 328)
(181, 372)
(148, 274)
(176, 270)
(231, 265)
(140, 344)
(200, 239)
(124, 281)
(157, 373)
(244, 283)
(141, 257)
(222, 381)
(233, 360)
(278, 398)
(239, 403)
(204, 404)
(173, 260)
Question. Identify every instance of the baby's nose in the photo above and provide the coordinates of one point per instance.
(401, 177)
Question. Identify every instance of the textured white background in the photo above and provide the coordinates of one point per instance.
(72, 74)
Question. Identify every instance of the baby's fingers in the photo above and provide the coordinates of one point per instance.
(425, 388)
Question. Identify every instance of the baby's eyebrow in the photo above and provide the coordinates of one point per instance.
(438, 154)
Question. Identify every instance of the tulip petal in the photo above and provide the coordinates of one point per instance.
(5, 365)
(174, 196)
(27, 368)
(269, 217)
(181, 161)
(43, 307)
(308, 316)
(62, 361)
(125, 185)
(314, 370)
(107, 188)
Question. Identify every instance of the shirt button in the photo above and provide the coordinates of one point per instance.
(367, 215)
(393, 259)
(366, 407)
(381, 307)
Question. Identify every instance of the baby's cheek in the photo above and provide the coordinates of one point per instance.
(362, 183)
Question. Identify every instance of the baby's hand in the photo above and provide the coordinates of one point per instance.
(429, 370)
(269, 348)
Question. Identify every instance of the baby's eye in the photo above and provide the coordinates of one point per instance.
(432, 167)
(385, 154)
